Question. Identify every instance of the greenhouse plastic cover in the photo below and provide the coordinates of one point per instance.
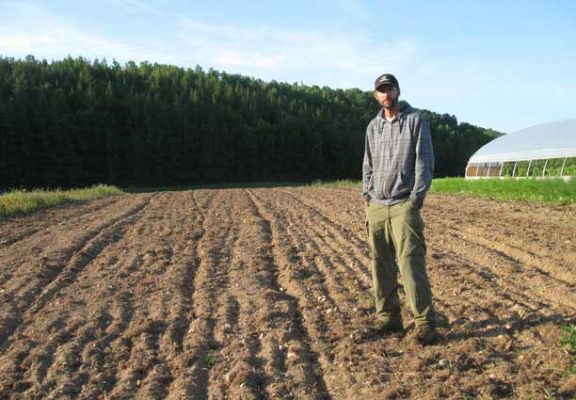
(551, 140)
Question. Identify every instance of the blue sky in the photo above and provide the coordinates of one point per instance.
(504, 65)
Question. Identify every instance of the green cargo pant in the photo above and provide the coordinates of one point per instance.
(396, 238)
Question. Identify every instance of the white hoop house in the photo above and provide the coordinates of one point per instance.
(541, 150)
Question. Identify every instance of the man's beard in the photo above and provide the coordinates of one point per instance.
(391, 105)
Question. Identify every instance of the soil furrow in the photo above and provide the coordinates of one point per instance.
(517, 231)
(511, 276)
(160, 270)
(481, 312)
(550, 265)
(306, 287)
(342, 231)
(175, 306)
(211, 279)
(48, 227)
(345, 293)
(18, 228)
(348, 264)
(264, 294)
(352, 257)
(9, 238)
(285, 343)
(108, 269)
(183, 279)
(54, 248)
(59, 269)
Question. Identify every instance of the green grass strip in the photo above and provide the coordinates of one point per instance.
(568, 338)
(528, 189)
(568, 341)
(24, 201)
(547, 190)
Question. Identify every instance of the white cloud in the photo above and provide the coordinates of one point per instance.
(56, 42)
(33, 30)
(321, 57)
(338, 59)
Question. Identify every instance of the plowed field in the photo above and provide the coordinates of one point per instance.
(265, 294)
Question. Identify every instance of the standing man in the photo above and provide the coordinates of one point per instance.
(397, 172)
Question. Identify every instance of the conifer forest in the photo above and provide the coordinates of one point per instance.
(76, 122)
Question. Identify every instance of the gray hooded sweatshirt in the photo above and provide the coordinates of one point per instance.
(398, 158)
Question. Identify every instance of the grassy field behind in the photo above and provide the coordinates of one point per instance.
(548, 190)
(530, 189)
(23, 201)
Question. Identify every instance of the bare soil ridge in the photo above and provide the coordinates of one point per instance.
(265, 294)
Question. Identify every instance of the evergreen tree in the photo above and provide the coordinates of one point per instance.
(75, 123)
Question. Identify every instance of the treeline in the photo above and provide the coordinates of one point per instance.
(75, 123)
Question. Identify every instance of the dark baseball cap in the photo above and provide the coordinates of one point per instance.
(386, 79)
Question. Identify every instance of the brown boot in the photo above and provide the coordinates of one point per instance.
(426, 335)
(388, 326)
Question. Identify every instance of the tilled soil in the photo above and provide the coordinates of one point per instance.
(265, 294)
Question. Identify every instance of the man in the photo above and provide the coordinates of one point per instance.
(397, 172)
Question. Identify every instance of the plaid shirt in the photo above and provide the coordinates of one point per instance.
(398, 158)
